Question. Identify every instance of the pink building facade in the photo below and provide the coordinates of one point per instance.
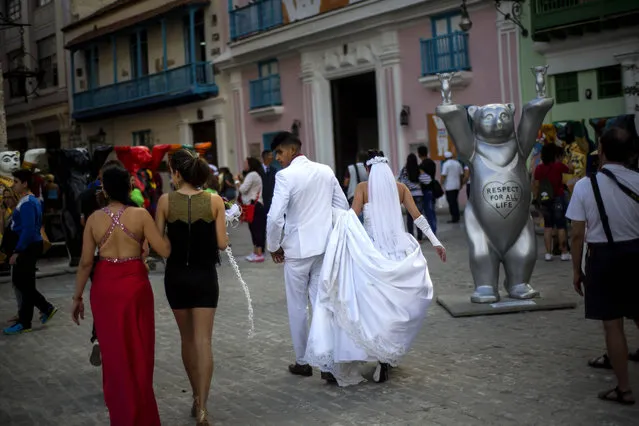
(283, 77)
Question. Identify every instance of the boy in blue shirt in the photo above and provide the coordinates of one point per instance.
(27, 222)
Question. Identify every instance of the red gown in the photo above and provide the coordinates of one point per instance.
(123, 311)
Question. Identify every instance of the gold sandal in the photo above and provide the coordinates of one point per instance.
(202, 419)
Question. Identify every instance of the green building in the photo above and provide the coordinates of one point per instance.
(592, 50)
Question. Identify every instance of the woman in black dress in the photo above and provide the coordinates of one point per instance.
(195, 222)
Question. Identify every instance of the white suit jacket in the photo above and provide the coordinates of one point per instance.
(303, 200)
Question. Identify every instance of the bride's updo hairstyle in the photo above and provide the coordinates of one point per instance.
(372, 153)
(193, 169)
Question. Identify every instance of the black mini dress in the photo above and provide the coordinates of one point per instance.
(190, 280)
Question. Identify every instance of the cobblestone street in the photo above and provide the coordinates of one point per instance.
(517, 369)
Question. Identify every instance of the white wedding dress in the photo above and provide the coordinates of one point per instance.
(370, 306)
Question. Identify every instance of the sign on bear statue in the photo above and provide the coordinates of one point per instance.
(502, 196)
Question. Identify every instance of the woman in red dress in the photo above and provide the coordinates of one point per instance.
(122, 301)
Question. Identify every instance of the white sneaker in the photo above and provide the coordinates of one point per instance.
(566, 257)
(548, 257)
(250, 257)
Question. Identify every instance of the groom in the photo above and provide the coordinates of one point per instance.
(304, 196)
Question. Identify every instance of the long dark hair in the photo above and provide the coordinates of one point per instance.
(193, 169)
(412, 168)
(116, 182)
(254, 165)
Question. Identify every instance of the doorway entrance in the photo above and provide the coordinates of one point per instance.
(206, 132)
(355, 125)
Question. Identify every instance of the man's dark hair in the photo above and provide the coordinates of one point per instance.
(110, 164)
(422, 151)
(362, 157)
(616, 144)
(285, 139)
(24, 176)
(265, 154)
(548, 153)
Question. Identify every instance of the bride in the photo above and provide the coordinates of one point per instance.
(374, 287)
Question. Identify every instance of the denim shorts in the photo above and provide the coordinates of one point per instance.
(555, 213)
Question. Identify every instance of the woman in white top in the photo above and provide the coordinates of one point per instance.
(250, 190)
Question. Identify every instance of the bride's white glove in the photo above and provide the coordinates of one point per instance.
(423, 225)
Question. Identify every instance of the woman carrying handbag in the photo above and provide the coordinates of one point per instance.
(253, 211)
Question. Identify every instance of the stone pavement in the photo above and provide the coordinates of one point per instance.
(518, 369)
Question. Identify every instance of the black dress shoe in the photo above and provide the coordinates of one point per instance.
(301, 370)
(328, 377)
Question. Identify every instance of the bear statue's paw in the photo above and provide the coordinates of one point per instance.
(485, 294)
(522, 291)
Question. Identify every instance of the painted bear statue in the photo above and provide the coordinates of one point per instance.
(499, 227)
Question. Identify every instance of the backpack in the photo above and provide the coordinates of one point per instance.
(546, 191)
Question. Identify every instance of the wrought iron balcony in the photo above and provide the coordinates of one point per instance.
(261, 15)
(446, 53)
(175, 85)
(265, 92)
(559, 18)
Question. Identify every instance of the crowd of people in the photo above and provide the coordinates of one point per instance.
(331, 238)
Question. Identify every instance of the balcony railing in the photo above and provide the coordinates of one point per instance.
(265, 92)
(256, 17)
(445, 53)
(184, 79)
(548, 14)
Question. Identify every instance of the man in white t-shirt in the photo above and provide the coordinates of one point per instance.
(452, 174)
(604, 210)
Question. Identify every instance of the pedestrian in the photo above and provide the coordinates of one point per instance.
(195, 223)
(428, 191)
(414, 179)
(27, 224)
(548, 191)
(355, 173)
(250, 188)
(305, 194)
(452, 175)
(607, 205)
(122, 300)
(268, 180)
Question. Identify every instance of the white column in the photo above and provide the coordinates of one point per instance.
(318, 92)
(185, 132)
(221, 142)
(308, 124)
(237, 103)
(390, 103)
(630, 78)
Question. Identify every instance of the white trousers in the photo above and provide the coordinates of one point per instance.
(301, 277)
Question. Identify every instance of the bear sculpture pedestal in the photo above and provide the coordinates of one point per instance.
(460, 306)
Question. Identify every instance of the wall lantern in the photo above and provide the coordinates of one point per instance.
(200, 114)
(514, 16)
(404, 116)
(588, 94)
(295, 128)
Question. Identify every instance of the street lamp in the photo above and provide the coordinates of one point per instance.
(465, 24)
(514, 16)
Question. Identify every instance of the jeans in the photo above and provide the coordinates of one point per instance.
(428, 206)
(24, 278)
(409, 219)
(453, 204)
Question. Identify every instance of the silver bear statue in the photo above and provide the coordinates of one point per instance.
(499, 227)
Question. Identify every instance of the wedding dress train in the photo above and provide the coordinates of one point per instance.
(369, 306)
